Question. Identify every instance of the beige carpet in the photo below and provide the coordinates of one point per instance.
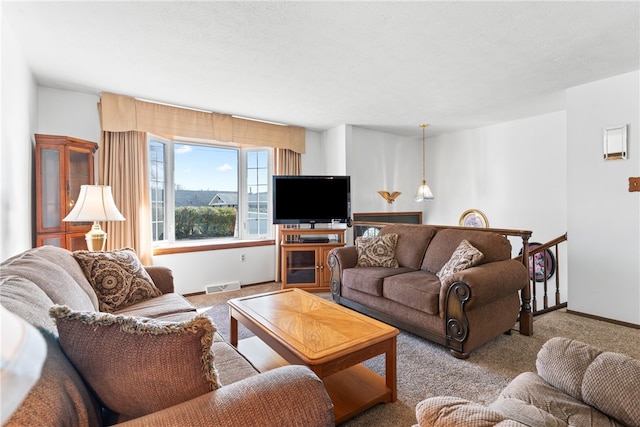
(426, 369)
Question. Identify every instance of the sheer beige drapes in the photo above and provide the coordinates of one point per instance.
(123, 165)
(287, 162)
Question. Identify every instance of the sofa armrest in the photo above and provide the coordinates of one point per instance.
(162, 277)
(338, 260)
(445, 411)
(288, 396)
(347, 256)
(487, 282)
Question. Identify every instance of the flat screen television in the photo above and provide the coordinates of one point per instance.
(311, 199)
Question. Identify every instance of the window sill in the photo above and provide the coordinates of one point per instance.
(199, 247)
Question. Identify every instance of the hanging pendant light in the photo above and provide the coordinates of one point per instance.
(424, 192)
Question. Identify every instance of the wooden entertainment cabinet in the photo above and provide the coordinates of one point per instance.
(304, 257)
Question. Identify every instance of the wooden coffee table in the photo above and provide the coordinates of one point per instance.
(293, 326)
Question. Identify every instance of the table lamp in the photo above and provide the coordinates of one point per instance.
(95, 203)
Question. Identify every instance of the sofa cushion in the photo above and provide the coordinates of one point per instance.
(532, 389)
(561, 371)
(64, 259)
(416, 289)
(25, 299)
(117, 277)
(369, 279)
(161, 306)
(59, 397)
(611, 385)
(446, 411)
(137, 366)
(465, 256)
(525, 413)
(378, 251)
(494, 247)
(412, 242)
(231, 365)
(52, 278)
(605, 380)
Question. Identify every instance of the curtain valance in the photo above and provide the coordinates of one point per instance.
(120, 113)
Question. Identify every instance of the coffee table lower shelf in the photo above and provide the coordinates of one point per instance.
(351, 390)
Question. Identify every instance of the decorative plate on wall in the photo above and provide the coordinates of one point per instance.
(541, 262)
(473, 218)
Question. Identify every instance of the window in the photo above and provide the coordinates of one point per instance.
(208, 192)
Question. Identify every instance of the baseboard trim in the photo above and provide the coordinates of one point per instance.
(605, 319)
(242, 286)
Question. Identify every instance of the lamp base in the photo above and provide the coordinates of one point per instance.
(96, 238)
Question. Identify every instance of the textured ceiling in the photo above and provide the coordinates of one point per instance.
(381, 65)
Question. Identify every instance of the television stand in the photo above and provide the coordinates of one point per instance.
(304, 254)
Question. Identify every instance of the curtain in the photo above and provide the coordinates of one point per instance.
(120, 113)
(123, 165)
(287, 162)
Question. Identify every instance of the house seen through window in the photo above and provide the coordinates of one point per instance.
(205, 192)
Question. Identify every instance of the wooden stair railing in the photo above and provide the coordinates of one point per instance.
(540, 249)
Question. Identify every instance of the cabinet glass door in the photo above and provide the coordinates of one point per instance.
(79, 174)
(301, 266)
(50, 199)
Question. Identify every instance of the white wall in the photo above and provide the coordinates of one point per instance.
(383, 161)
(54, 109)
(18, 120)
(603, 216)
(514, 172)
(194, 270)
(335, 145)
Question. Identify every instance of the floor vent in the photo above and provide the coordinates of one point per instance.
(221, 287)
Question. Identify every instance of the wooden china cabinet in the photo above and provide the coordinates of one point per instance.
(63, 164)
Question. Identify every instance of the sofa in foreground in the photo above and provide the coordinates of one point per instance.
(454, 286)
(576, 385)
(123, 348)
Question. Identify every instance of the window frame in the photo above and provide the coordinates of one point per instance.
(243, 238)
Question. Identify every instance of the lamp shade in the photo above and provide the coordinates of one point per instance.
(95, 203)
(423, 193)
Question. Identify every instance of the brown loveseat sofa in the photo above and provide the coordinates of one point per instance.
(36, 280)
(576, 385)
(461, 311)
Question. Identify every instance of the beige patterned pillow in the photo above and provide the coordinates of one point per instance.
(465, 256)
(379, 251)
(118, 278)
(137, 366)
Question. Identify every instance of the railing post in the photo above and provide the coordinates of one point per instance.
(526, 315)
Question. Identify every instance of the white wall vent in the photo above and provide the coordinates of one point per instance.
(220, 287)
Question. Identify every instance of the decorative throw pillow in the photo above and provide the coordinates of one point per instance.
(379, 251)
(118, 278)
(135, 365)
(465, 256)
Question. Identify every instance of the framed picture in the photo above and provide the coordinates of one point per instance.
(541, 262)
(614, 140)
(473, 218)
